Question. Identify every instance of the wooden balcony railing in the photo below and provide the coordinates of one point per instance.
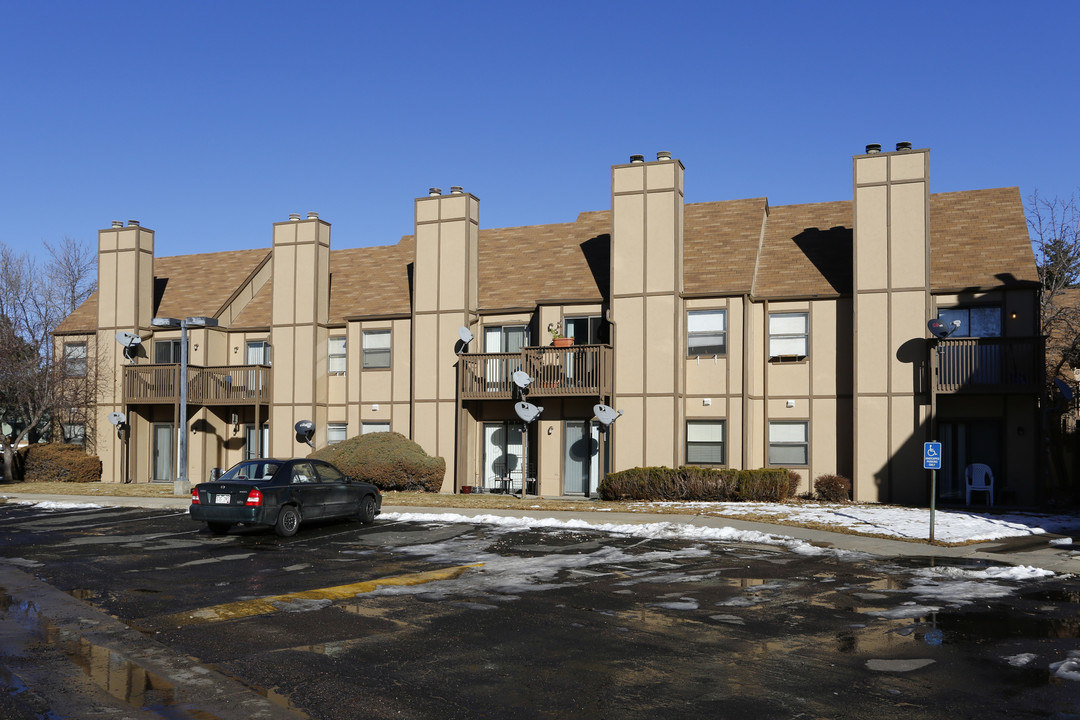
(988, 365)
(222, 385)
(581, 370)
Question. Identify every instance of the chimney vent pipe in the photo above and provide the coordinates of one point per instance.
(873, 148)
(117, 223)
(903, 146)
(456, 190)
(637, 158)
(133, 223)
(663, 155)
(434, 192)
(313, 216)
(294, 216)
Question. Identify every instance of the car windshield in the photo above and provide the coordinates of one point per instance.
(252, 471)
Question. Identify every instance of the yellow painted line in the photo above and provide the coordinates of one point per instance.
(272, 604)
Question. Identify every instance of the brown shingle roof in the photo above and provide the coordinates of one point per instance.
(521, 266)
(720, 245)
(975, 235)
(805, 251)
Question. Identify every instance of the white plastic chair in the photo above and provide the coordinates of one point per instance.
(980, 478)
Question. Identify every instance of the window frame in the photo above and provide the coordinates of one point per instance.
(594, 328)
(73, 433)
(787, 444)
(967, 324)
(366, 427)
(722, 313)
(369, 355)
(722, 423)
(174, 351)
(75, 364)
(337, 358)
(775, 337)
(343, 428)
(264, 348)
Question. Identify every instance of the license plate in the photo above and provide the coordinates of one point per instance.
(222, 499)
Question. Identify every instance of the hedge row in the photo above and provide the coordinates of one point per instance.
(387, 460)
(54, 462)
(690, 483)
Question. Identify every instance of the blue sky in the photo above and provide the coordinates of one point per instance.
(209, 121)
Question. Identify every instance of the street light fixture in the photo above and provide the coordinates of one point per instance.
(182, 485)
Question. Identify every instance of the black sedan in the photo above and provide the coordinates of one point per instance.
(282, 494)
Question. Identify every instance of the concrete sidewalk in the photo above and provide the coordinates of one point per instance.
(1033, 550)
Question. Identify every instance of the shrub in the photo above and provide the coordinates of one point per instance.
(794, 479)
(54, 462)
(388, 460)
(691, 483)
(832, 488)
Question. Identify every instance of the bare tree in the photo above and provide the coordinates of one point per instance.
(37, 388)
(1055, 230)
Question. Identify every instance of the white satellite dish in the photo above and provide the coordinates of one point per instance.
(606, 415)
(527, 411)
(521, 379)
(1064, 389)
(117, 418)
(130, 341)
(465, 334)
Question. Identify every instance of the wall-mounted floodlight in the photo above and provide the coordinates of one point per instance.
(305, 430)
(130, 343)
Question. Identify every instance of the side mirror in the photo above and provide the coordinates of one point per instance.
(215, 473)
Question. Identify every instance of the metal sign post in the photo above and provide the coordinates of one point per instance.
(932, 461)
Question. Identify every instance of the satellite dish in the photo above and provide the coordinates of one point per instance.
(527, 411)
(117, 418)
(606, 415)
(521, 379)
(939, 329)
(466, 337)
(130, 341)
(305, 430)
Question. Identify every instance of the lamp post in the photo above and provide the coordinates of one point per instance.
(182, 486)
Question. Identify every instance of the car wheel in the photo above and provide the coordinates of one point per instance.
(218, 528)
(367, 509)
(288, 521)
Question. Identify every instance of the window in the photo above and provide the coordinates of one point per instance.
(336, 432)
(705, 442)
(336, 354)
(258, 352)
(376, 349)
(789, 335)
(74, 433)
(505, 338)
(75, 359)
(585, 330)
(166, 351)
(706, 332)
(789, 443)
(979, 321)
(370, 427)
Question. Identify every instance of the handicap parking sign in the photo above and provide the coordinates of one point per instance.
(931, 458)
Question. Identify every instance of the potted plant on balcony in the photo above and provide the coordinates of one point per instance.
(557, 338)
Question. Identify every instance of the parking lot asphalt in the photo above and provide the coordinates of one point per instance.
(1031, 550)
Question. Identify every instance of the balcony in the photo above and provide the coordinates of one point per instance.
(578, 370)
(224, 385)
(988, 365)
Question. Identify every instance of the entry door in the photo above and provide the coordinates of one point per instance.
(581, 466)
(164, 453)
(256, 444)
(502, 456)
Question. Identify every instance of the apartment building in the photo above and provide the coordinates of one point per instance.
(729, 333)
